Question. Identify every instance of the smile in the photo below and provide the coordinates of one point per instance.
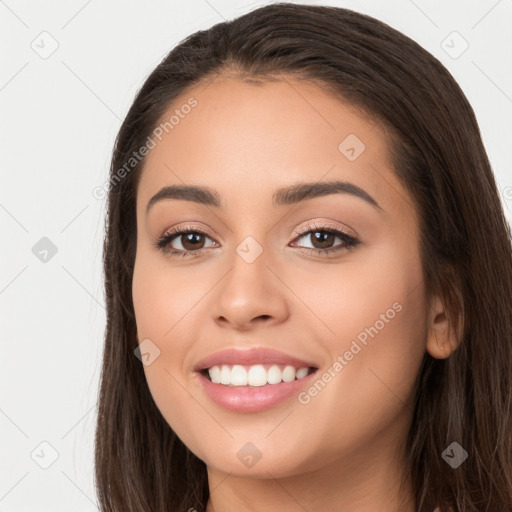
(255, 375)
(245, 398)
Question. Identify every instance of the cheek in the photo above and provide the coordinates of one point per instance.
(350, 296)
(370, 307)
(163, 297)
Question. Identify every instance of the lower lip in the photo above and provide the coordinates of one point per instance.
(252, 399)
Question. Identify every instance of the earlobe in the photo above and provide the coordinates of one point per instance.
(442, 339)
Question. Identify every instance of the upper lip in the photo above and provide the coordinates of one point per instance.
(250, 357)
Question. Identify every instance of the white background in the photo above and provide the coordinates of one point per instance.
(59, 118)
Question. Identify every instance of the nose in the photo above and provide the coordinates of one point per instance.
(249, 295)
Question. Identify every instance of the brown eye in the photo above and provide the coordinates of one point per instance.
(323, 240)
(190, 241)
(183, 241)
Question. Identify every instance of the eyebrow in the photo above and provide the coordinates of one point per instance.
(282, 197)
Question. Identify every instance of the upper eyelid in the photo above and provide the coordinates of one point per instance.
(323, 226)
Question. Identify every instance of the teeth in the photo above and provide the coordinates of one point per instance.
(256, 375)
(238, 376)
(274, 375)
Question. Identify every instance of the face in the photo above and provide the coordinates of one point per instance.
(330, 275)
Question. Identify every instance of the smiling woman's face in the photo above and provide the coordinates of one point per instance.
(276, 273)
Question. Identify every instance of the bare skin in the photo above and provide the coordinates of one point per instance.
(341, 449)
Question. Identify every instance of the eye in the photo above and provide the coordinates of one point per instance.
(323, 238)
(189, 239)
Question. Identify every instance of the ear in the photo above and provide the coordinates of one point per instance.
(443, 334)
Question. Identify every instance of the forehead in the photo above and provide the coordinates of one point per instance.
(265, 135)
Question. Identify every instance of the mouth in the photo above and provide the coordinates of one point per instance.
(255, 387)
(258, 375)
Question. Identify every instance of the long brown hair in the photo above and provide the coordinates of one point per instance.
(140, 463)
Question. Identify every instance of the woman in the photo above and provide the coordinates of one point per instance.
(306, 250)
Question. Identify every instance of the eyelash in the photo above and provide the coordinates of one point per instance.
(349, 241)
